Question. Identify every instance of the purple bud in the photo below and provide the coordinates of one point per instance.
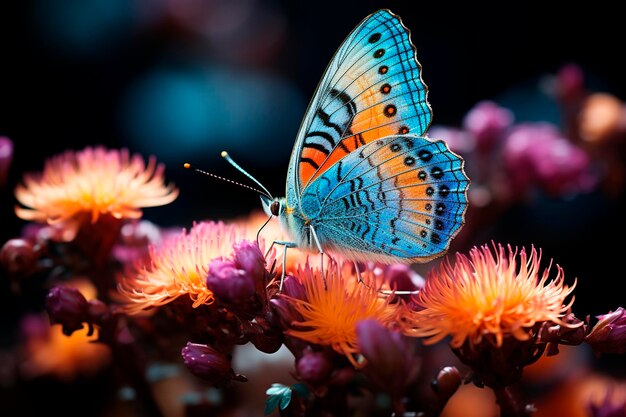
(392, 362)
(229, 283)
(283, 307)
(268, 342)
(6, 156)
(18, 256)
(265, 338)
(570, 82)
(68, 307)
(446, 383)
(487, 122)
(209, 364)
(292, 287)
(249, 257)
(609, 334)
(313, 367)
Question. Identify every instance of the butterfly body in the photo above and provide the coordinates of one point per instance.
(363, 181)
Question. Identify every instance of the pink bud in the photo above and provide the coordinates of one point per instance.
(609, 334)
(229, 283)
(18, 256)
(208, 363)
(68, 307)
(249, 257)
(313, 367)
(6, 157)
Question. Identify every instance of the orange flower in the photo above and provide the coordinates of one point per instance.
(490, 296)
(82, 186)
(179, 266)
(329, 315)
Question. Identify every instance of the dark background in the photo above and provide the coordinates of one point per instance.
(76, 73)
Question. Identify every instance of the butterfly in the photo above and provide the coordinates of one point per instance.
(363, 180)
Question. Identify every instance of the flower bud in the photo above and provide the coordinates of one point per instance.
(292, 287)
(392, 362)
(229, 283)
(446, 383)
(487, 121)
(68, 307)
(6, 156)
(249, 257)
(609, 334)
(570, 83)
(18, 256)
(209, 364)
(284, 310)
(313, 367)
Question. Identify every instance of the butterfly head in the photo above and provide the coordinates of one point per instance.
(273, 206)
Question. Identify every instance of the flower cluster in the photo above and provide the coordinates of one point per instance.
(116, 291)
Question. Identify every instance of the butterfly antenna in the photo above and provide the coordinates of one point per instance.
(244, 172)
(188, 166)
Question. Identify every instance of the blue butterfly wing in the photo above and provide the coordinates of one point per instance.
(372, 88)
(400, 198)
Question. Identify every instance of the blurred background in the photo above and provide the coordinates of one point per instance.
(186, 79)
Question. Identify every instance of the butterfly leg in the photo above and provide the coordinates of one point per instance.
(286, 245)
(360, 278)
(319, 248)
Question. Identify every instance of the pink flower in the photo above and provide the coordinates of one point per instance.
(178, 266)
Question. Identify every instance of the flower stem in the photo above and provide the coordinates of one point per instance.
(510, 404)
